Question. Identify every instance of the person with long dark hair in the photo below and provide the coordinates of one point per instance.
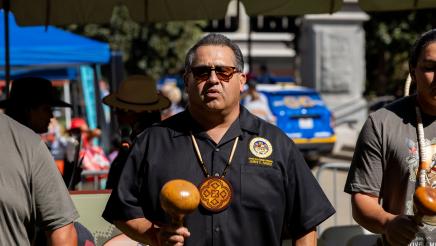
(393, 173)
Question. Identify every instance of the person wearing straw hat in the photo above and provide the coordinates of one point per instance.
(33, 195)
(254, 183)
(395, 158)
(137, 106)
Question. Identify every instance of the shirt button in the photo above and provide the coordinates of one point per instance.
(217, 174)
(217, 229)
(217, 149)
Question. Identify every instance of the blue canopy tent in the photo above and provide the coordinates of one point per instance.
(39, 47)
(53, 53)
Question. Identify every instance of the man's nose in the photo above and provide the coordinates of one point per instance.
(213, 77)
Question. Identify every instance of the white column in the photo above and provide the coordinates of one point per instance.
(332, 52)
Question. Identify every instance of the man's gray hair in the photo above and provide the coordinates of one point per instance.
(219, 40)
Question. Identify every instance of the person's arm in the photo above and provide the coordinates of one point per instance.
(308, 239)
(398, 229)
(144, 231)
(53, 205)
(64, 236)
(137, 229)
(368, 212)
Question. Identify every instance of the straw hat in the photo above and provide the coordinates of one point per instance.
(32, 91)
(137, 93)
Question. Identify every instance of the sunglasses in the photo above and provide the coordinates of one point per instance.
(224, 73)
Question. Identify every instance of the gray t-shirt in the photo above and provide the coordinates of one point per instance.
(32, 192)
(386, 160)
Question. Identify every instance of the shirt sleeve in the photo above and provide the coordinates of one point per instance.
(366, 171)
(308, 206)
(53, 204)
(116, 168)
(124, 203)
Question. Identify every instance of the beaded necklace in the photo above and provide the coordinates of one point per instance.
(424, 156)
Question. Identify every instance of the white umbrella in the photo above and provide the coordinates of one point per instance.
(396, 5)
(301, 7)
(63, 12)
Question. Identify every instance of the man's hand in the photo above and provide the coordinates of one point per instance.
(146, 232)
(401, 230)
(397, 229)
(171, 235)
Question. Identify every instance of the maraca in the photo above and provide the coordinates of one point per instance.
(179, 197)
(425, 196)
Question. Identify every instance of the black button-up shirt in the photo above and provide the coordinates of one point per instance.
(273, 189)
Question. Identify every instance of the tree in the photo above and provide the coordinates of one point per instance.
(389, 38)
(156, 49)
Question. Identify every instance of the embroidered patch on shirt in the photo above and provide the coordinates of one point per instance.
(260, 147)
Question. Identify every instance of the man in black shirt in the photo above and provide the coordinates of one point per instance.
(218, 143)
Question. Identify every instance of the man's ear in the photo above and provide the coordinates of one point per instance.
(242, 81)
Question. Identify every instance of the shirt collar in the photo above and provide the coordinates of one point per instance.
(183, 124)
(248, 121)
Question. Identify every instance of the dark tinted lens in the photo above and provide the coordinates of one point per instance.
(224, 70)
(201, 73)
(224, 73)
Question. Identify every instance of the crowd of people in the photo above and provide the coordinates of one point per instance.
(255, 187)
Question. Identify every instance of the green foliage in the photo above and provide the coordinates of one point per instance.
(155, 49)
(389, 37)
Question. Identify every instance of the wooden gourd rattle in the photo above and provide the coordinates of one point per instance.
(425, 196)
(179, 197)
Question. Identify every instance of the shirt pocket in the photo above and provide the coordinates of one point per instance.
(262, 188)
